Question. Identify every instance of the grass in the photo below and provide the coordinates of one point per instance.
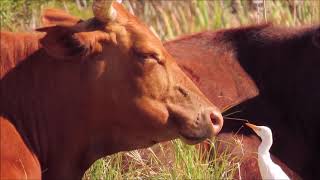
(173, 160)
(169, 19)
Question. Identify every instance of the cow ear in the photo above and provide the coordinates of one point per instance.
(59, 42)
(53, 17)
(68, 44)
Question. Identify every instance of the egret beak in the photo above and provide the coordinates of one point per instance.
(253, 127)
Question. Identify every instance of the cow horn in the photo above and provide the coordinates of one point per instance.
(103, 10)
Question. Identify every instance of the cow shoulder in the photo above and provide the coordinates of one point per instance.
(17, 160)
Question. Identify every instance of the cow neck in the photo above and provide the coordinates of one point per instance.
(39, 98)
(41, 103)
(15, 49)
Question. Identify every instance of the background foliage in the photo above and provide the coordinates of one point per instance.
(170, 18)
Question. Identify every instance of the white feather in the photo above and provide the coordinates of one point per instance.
(268, 169)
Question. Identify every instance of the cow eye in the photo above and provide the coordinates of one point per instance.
(152, 57)
(149, 57)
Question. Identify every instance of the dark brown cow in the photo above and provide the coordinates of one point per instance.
(284, 63)
(80, 91)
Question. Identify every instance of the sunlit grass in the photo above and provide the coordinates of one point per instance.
(170, 19)
(174, 161)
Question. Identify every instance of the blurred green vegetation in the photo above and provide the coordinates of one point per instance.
(181, 162)
(170, 18)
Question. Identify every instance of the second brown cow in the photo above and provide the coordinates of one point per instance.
(282, 63)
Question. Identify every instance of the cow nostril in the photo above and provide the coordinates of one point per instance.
(214, 118)
(217, 121)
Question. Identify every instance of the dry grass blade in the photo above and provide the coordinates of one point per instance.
(170, 19)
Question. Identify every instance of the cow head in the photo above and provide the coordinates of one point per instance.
(137, 94)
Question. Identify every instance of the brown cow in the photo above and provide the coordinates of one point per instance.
(82, 91)
(213, 65)
(284, 63)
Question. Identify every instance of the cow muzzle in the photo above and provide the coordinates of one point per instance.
(205, 124)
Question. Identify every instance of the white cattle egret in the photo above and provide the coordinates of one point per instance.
(268, 169)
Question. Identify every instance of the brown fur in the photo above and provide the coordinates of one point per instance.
(89, 90)
(213, 69)
(284, 65)
(213, 61)
(18, 161)
(15, 48)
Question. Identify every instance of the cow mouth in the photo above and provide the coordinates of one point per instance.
(191, 140)
(186, 137)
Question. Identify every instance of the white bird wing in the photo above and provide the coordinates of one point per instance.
(270, 170)
(280, 174)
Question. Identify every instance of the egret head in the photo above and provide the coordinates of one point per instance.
(262, 131)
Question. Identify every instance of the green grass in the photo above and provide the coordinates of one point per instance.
(180, 161)
(169, 19)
